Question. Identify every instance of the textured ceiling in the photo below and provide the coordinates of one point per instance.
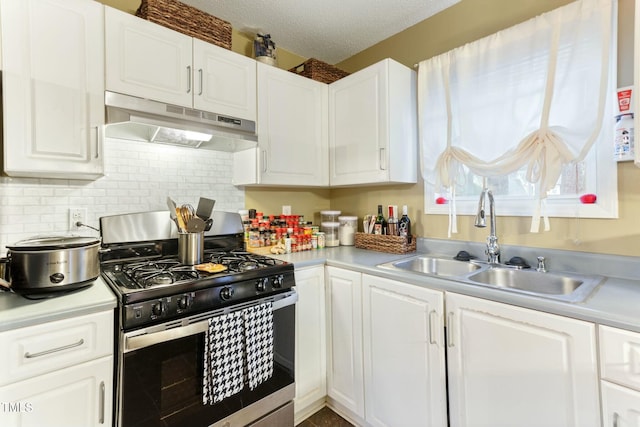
(329, 30)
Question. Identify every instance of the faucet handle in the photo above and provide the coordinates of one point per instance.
(541, 266)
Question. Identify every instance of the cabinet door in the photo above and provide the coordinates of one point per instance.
(345, 384)
(80, 396)
(373, 126)
(53, 88)
(225, 82)
(311, 343)
(620, 406)
(292, 129)
(147, 60)
(620, 356)
(404, 354)
(510, 366)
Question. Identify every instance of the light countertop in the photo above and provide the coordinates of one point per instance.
(615, 302)
(17, 311)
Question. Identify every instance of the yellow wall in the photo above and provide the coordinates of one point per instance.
(466, 21)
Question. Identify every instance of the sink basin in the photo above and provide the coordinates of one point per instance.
(568, 287)
(564, 286)
(433, 266)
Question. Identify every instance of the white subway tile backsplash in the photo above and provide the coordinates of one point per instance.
(138, 177)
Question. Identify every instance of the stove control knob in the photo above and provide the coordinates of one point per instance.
(226, 293)
(185, 301)
(278, 280)
(158, 309)
(261, 284)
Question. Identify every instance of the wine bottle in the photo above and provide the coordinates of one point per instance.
(404, 225)
(392, 222)
(380, 225)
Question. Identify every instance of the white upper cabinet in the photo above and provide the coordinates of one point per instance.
(150, 61)
(292, 133)
(373, 126)
(510, 366)
(224, 81)
(147, 60)
(52, 88)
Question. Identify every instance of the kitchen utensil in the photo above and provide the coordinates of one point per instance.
(205, 208)
(182, 226)
(172, 208)
(195, 225)
(44, 265)
(207, 224)
(187, 213)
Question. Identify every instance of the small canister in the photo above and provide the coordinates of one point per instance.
(330, 230)
(347, 230)
(321, 240)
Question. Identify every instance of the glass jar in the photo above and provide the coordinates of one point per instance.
(347, 230)
(330, 230)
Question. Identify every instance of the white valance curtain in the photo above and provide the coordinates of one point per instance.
(531, 96)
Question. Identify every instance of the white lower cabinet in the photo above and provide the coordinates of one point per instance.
(311, 342)
(620, 406)
(620, 372)
(80, 396)
(404, 354)
(345, 383)
(386, 358)
(509, 366)
(58, 374)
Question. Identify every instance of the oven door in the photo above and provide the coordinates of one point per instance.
(161, 373)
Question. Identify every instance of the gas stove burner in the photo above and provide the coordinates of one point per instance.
(248, 265)
(242, 261)
(158, 272)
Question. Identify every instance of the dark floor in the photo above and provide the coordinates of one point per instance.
(325, 417)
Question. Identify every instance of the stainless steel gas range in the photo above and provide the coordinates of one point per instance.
(198, 348)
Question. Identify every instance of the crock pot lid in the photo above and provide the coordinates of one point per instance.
(54, 242)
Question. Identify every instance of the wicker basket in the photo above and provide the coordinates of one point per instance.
(187, 20)
(381, 243)
(319, 71)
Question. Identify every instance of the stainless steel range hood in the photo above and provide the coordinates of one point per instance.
(138, 119)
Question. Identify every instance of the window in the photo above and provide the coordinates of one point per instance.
(530, 109)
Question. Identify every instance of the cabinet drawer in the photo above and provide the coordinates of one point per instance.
(35, 350)
(620, 356)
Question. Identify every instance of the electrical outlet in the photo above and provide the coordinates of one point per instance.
(77, 215)
(286, 209)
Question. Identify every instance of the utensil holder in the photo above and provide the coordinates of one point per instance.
(190, 248)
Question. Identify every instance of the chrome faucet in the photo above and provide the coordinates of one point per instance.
(493, 249)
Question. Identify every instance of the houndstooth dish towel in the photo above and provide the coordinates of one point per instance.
(258, 330)
(223, 357)
(238, 348)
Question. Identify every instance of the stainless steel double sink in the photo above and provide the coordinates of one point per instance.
(562, 286)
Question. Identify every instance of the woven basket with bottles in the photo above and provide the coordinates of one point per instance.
(187, 20)
(319, 71)
(383, 243)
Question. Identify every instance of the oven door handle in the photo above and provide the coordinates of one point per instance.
(137, 342)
